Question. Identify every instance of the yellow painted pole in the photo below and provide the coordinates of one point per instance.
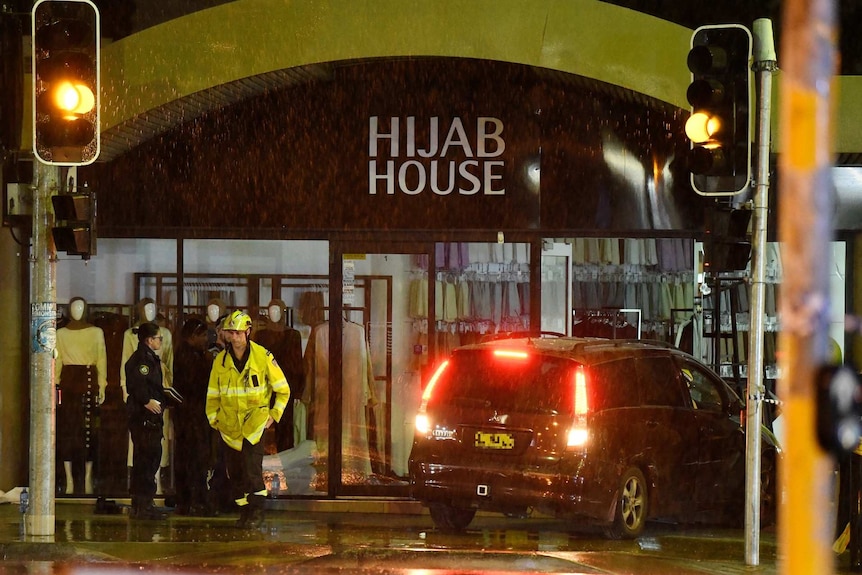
(806, 525)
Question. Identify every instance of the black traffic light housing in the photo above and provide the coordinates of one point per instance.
(719, 127)
(74, 229)
(839, 409)
(726, 244)
(66, 72)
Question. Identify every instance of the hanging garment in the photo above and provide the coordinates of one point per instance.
(463, 296)
(356, 393)
(633, 252)
(522, 253)
(418, 298)
(479, 253)
(286, 347)
(450, 303)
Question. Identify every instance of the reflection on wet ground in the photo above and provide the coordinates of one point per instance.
(305, 541)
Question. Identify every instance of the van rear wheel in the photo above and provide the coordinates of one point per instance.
(631, 506)
(450, 519)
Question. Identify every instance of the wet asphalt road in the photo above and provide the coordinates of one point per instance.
(304, 540)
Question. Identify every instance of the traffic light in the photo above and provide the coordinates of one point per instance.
(726, 246)
(719, 127)
(839, 409)
(66, 82)
(74, 228)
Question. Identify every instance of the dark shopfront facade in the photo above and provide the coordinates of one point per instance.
(376, 174)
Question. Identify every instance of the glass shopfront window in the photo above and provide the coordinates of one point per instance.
(93, 453)
(283, 285)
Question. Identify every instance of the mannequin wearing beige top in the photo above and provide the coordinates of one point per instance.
(145, 311)
(80, 371)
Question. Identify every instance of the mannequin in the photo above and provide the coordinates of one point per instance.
(285, 343)
(216, 311)
(145, 311)
(81, 365)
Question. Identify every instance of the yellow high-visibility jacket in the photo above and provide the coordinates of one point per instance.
(238, 403)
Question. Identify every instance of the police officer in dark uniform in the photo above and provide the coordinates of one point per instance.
(145, 407)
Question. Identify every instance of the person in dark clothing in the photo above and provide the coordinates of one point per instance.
(145, 409)
(193, 455)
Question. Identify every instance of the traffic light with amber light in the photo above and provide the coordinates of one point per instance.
(66, 82)
(74, 228)
(719, 127)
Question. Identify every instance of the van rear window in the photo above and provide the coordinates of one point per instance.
(523, 382)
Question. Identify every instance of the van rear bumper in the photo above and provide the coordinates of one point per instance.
(508, 490)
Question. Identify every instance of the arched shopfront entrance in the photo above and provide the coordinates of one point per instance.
(193, 203)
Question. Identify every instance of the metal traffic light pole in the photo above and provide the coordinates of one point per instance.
(764, 65)
(66, 69)
(40, 517)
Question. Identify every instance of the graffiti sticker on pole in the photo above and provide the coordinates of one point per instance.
(348, 282)
(43, 327)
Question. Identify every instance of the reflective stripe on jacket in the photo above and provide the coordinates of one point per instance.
(238, 403)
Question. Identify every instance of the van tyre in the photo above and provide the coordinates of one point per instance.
(450, 519)
(631, 506)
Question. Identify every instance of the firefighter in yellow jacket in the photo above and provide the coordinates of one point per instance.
(239, 406)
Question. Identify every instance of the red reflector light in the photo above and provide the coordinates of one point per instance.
(581, 405)
(510, 354)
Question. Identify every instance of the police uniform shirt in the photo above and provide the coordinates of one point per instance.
(143, 382)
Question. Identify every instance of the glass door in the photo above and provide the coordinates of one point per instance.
(382, 348)
(556, 287)
(402, 308)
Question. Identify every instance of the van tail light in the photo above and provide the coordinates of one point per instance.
(422, 423)
(580, 389)
(578, 435)
(429, 389)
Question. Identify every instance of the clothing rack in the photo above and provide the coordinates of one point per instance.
(599, 320)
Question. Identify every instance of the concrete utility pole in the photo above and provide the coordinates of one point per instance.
(805, 206)
(40, 518)
(764, 65)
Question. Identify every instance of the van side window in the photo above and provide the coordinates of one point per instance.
(659, 382)
(613, 385)
(704, 392)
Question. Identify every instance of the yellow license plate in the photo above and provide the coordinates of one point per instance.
(493, 440)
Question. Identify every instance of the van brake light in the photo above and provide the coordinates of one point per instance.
(510, 354)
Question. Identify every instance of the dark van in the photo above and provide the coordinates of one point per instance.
(609, 432)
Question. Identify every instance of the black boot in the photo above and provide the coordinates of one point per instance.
(244, 513)
(147, 510)
(136, 505)
(251, 515)
(256, 518)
